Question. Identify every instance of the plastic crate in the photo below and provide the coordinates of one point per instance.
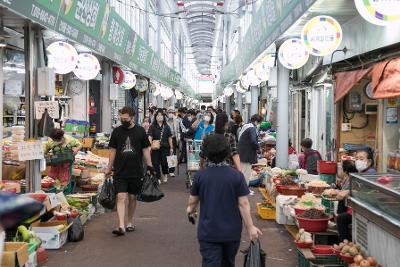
(329, 205)
(320, 260)
(59, 158)
(266, 213)
(326, 167)
(328, 178)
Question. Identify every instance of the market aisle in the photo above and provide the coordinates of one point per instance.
(163, 238)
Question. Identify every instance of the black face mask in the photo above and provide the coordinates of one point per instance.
(126, 124)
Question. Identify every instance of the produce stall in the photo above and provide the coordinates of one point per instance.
(375, 200)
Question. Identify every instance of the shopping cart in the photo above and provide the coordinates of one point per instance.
(193, 148)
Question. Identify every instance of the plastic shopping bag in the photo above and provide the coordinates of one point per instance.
(76, 231)
(293, 162)
(150, 190)
(172, 161)
(254, 256)
(107, 195)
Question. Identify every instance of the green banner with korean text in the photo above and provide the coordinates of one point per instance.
(272, 20)
(95, 24)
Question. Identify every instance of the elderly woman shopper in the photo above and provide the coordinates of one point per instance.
(222, 193)
(160, 138)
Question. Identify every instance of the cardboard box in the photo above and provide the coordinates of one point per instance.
(50, 235)
(105, 153)
(87, 142)
(51, 201)
(15, 254)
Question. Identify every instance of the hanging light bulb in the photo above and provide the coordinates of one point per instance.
(228, 91)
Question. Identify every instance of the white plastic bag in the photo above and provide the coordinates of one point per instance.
(293, 162)
(172, 161)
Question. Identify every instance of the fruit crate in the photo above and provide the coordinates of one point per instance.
(59, 158)
(320, 260)
(266, 213)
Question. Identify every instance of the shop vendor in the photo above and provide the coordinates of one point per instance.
(59, 142)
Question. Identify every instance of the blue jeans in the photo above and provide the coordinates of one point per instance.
(221, 254)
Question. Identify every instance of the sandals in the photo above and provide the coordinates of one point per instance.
(119, 231)
(130, 228)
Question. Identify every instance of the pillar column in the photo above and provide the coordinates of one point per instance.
(105, 97)
(239, 101)
(282, 140)
(254, 100)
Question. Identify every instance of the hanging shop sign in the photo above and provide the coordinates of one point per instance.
(262, 69)
(156, 90)
(293, 54)
(228, 91)
(270, 21)
(142, 85)
(129, 81)
(118, 75)
(178, 95)
(87, 67)
(239, 88)
(96, 25)
(379, 12)
(62, 57)
(322, 35)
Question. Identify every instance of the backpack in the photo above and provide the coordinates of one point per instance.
(310, 164)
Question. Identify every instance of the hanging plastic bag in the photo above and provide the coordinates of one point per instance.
(150, 190)
(107, 195)
(172, 161)
(293, 162)
(254, 256)
(76, 231)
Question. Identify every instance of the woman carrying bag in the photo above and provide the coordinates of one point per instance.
(161, 145)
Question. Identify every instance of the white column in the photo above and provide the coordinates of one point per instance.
(254, 100)
(239, 101)
(105, 98)
(282, 146)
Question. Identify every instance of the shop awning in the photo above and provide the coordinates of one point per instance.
(104, 31)
(346, 80)
(386, 79)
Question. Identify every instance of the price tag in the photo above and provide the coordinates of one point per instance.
(51, 106)
(30, 150)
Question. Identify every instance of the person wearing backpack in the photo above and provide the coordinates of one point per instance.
(309, 158)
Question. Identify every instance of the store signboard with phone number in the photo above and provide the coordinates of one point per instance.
(95, 24)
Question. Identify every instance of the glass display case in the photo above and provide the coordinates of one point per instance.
(379, 193)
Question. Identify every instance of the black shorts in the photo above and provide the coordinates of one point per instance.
(128, 185)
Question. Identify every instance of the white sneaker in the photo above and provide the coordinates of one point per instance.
(172, 174)
(164, 178)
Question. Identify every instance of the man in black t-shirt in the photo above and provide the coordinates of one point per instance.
(129, 146)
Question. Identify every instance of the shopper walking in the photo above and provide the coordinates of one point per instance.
(173, 124)
(235, 129)
(221, 127)
(309, 158)
(203, 125)
(161, 144)
(129, 146)
(248, 145)
(187, 132)
(222, 193)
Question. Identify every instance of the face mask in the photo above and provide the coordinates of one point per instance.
(160, 118)
(171, 116)
(361, 165)
(207, 118)
(126, 124)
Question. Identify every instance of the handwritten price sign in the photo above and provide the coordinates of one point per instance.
(30, 150)
(51, 106)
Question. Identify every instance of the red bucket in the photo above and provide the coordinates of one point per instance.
(313, 225)
(326, 167)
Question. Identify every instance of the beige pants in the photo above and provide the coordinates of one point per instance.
(246, 170)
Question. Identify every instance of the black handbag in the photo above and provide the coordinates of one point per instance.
(150, 190)
(254, 256)
(76, 231)
(107, 197)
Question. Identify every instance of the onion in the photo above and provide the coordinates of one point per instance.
(358, 259)
(364, 263)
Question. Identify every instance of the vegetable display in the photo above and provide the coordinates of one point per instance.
(304, 237)
(313, 214)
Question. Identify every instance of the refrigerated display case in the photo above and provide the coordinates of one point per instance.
(375, 200)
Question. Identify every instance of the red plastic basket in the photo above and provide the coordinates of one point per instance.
(303, 244)
(326, 167)
(347, 259)
(290, 190)
(313, 225)
(323, 250)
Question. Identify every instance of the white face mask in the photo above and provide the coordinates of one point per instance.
(171, 116)
(207, 118)
(361, 165)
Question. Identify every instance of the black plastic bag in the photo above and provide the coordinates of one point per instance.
(107, 197)
(254, 256)
(75, 232)
(150, 190)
